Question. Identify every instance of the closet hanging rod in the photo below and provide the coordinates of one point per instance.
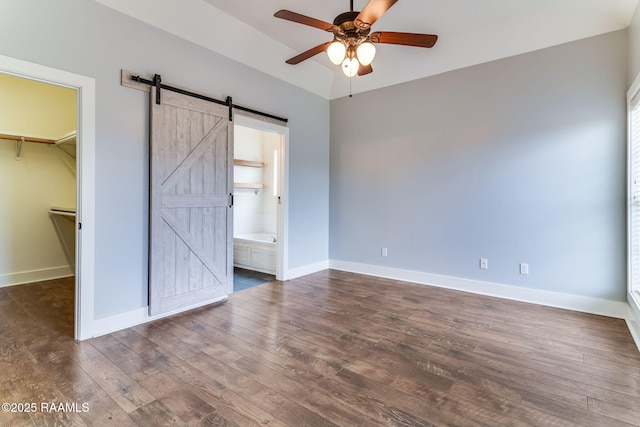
(10, 137)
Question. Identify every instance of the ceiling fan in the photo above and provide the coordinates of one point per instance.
(352, 44)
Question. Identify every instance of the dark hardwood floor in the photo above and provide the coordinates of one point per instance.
(332, 348)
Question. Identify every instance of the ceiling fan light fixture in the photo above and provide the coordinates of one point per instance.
(366, 52)
(350, 67)
(336, 52)
(352, 47)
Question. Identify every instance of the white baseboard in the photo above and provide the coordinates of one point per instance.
(633, 322)
(116, 322)
(634, 328)
(294, 273)
(128, 319)
(610, 308)
(35, 276)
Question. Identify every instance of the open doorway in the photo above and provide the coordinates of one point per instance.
(38, 198)
(84, 88)
(260, 238)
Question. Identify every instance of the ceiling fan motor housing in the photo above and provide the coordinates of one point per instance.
(350, 34)
(346, 17)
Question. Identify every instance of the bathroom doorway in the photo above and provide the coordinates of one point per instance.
(259, 225)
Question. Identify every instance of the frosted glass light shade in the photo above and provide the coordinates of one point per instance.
(366, 52)
(336, 52)
(350, 67)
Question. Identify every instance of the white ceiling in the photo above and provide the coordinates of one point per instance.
(470, 32)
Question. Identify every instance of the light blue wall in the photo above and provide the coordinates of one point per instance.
(86, 38)
(516, 160)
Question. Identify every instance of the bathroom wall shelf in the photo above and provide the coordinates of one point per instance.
(250, 163)
(247, 185)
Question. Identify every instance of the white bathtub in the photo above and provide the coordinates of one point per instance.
(256, 237)
(255, 251)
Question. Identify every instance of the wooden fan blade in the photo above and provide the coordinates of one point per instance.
(304, 20)
(308, 54)
(363, 70)
(406, 39)
(372, 12)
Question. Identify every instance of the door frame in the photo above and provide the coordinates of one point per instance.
(85, 179)
(282, 224)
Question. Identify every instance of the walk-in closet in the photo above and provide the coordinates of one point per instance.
(37, 185)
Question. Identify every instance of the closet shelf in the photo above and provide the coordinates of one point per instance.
(67, 145)
(67, 139)
(250, 163)
(247, 185)
(62, 211)
(68, 243)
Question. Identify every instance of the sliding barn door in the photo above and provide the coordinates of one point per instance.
(191, 250)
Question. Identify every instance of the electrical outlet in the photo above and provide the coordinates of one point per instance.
(484, 263)
(384, 252)
(524, 268)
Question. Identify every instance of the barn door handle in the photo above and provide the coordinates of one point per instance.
(230, 200)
